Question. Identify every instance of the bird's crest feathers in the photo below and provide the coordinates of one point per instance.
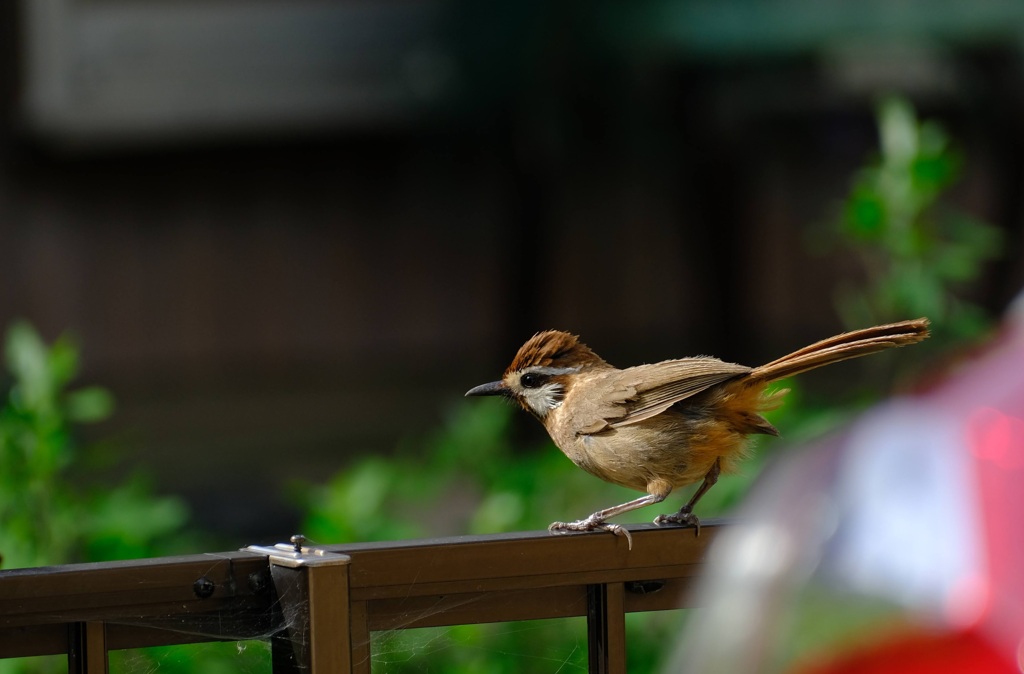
(556, 349)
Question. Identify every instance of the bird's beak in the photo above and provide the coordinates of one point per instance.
(494, 388)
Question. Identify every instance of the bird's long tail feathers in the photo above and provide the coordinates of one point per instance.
(842, 347)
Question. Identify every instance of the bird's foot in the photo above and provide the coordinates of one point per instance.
(592, 524)
(683, 517)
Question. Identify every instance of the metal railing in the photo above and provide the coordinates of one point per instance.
(318, 605)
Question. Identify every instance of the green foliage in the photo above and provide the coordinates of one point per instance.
(918, 254)
(238, 657)
(501, 648)
(46, 517)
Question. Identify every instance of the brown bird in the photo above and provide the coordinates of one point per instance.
(658, 427)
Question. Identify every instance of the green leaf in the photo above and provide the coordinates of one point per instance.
(26, 356)
(865, 215)
(62, 361)
(123, 522)
(933, 173)
(89, 404)
(897, 126)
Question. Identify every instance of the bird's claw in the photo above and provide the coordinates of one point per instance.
(683, 517)
(592, 524)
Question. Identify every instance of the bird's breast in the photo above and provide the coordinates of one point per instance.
(671, 447)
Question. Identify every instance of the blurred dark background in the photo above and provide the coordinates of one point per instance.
(287, 233)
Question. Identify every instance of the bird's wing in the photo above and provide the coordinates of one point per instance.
(641, 392)
(594, 414)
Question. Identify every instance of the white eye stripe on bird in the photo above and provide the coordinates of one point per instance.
(537, 376)
(551, 371)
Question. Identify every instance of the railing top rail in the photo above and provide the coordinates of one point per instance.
(524, 559)
(230, 595)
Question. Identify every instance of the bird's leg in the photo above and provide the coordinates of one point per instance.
(597, 520)
(685, 514)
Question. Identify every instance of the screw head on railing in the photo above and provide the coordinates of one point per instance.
(259, 582)
(204, 588)
(298, 540)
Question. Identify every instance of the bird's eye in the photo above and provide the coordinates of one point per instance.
(531, 380)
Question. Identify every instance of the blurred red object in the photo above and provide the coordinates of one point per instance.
(960, 652)
(917, 506)
(988, 397)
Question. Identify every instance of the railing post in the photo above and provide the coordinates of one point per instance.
(312, 589)
(606, 628)
(87, 648)
(360, 635)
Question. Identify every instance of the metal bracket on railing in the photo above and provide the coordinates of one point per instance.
(312, 589)
(297, 553)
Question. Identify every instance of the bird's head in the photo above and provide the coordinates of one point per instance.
(542, 372)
